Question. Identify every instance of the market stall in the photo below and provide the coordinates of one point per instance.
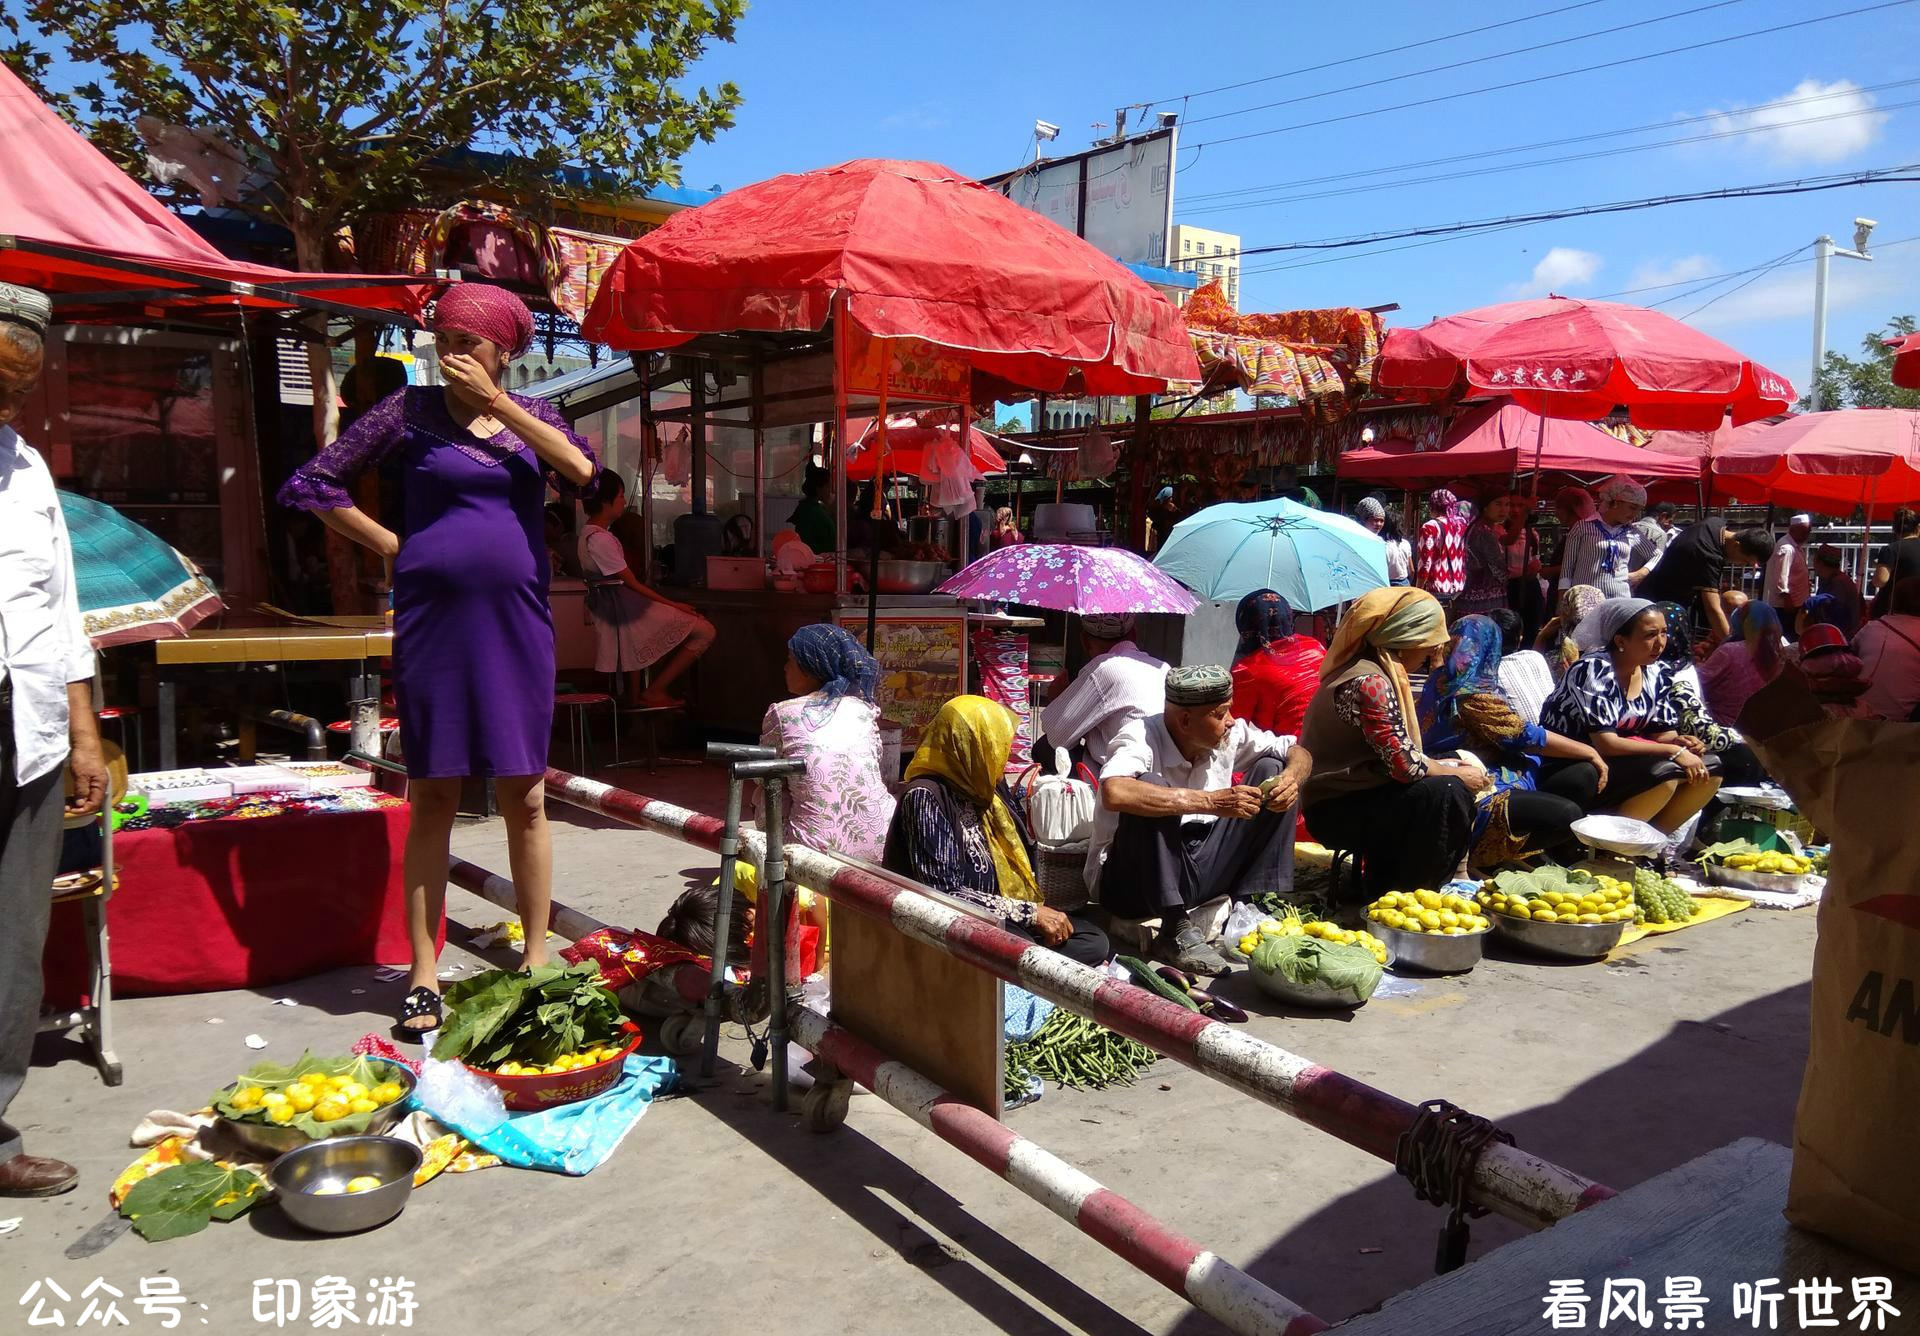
(1504, 440)
(798, 306)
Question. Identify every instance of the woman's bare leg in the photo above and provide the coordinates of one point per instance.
(433, 803)
(699, 640)
(1688, 799)
(523, 802)
(1645, 806)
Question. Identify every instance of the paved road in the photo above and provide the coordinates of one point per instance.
(717, 1215)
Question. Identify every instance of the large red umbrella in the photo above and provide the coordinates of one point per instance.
(1501, 439)
(914, 250)
(1826, 461)
(1906, 361)
(914, 449)
(1563, 357)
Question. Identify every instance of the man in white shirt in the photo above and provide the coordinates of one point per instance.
(1175, 830)
(1119, 682)
(47, 724)
(1787, 585)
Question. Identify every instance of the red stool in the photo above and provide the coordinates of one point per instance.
(579, 734)
(127, 717)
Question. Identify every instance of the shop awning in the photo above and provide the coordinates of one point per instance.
(1503, 438)
(76, 226)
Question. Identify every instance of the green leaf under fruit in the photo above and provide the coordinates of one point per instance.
(183, 1198)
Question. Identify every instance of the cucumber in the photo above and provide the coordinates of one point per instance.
(1144, 976)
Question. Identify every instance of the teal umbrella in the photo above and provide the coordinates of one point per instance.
(132, 585)
(1312, 558)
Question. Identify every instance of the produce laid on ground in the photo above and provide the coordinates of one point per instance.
(1175, 986)
(1310, 956)
(1071, 1050)
(553, 1021)
(321, 1097)
(1745, 856)
(1659, 900)
(1440, 912)
(1553, 894)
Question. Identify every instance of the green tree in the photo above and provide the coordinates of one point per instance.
(1866, 381)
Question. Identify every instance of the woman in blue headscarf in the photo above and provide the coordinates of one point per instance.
(841, 805)
(1462, 708)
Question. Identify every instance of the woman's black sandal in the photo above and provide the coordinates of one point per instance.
(419, 1002)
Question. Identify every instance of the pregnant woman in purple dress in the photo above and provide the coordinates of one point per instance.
(473, 635)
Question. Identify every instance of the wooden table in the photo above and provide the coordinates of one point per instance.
(1717, 1218)
(254, 639)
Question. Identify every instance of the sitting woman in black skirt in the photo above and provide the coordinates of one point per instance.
(1407, 816)
(1619, 697)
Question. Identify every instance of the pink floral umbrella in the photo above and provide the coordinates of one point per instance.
(1070, 578)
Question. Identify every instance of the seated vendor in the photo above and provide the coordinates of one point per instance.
(1120, 682)
(1620, 699)
(959, 830)
(1408, 817)
(1159, 846)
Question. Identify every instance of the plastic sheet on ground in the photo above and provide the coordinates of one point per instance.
(573, 1138)
(1711, 907)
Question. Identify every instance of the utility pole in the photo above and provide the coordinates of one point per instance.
(1823, 252)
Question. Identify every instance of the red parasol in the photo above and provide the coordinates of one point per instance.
(1826, 461)
(919, 251)
(1906, 361)
(1563, 357)
(912, 449)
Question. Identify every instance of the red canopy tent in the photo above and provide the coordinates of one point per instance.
(1502, 439)
(1830, 462)
(911, 447)
(76, 226)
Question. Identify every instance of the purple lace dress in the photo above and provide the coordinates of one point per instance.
(473, 635)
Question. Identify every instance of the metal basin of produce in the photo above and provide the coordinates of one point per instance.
(1787, 883)
(909, 577)
(311, 1182)
(1434, 952)
(268, 1140)
(1619, 835)
(1568, 941)
(1318, 995)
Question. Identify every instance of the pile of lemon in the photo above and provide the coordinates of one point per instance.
(1608, 900)
(1441, 913)
(568, 1062)
(327, 1098)
(364, 1183)
(1792, 865)
(1292, 926)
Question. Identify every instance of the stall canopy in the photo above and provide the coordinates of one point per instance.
(75, 225)
(1906, 361)
(1502, 439)
(1829, 462)
(924, 449)
(913, 250)
(1564, 357)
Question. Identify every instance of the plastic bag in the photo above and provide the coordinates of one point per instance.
(1060, 808)
(455, 1095)
(1244, 919)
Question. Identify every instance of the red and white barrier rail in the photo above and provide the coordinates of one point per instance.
(1210, 1283)
(1509, 1181)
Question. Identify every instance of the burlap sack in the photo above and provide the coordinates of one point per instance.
(1856, 1175)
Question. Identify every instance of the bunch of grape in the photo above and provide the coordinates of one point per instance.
(1660, 901)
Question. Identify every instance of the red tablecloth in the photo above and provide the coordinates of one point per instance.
(244, 903)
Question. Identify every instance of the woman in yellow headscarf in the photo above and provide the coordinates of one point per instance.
(1407, 816)
(959, 830)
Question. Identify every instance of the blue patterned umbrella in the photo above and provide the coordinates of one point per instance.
(1312, 558)
(132, 585)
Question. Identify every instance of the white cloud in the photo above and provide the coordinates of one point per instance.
(1559, 269)
(1812, 122)
(1669, 273)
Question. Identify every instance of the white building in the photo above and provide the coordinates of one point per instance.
(1208, 255)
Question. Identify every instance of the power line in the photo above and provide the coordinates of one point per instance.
(1762, 272)
(1738, 286)
(1697, 283)
(1472, 60)
(1620, 151)
(1544, 78)
(1374, 55)
(1335, 177)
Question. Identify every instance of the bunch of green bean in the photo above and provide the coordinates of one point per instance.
(1071, 1050)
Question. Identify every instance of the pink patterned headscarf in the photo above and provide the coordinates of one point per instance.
(487, 312)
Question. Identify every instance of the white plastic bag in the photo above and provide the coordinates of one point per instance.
(1244, 919)
(454, 1094)
(1059, 808)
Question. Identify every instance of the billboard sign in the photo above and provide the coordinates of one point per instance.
(1119, 197)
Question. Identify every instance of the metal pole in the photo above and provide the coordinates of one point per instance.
(773, 900)
(1822, 262)
(841, 335)
(698, 427)
(722, 922)
(759, 388)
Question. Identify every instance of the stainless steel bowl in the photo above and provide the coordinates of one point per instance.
(1787, 883)
(270, 1139)
(909, 577)
(335, 1162)
(1567, 941)
(1619, 835)
(1434, 952)
(1315, 994)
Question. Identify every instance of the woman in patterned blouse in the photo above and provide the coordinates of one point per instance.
(1620, 699)
(959, 830)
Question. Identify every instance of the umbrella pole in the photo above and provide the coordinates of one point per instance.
(1539, 451)
(840, 340)
(879, 485)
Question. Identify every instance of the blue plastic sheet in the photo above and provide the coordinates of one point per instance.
(573, 1138)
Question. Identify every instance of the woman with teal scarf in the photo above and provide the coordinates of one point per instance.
(1462, 708)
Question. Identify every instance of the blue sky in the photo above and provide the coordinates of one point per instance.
(962, 85)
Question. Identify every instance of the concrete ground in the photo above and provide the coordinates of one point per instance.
(717, 1214)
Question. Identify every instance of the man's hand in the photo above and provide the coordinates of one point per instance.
(1239, 802)
(89, 773)
(1052, 926)
(1283, 793)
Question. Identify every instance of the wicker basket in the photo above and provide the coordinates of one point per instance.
(1061, 870)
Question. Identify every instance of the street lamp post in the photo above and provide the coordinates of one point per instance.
(1823, 252)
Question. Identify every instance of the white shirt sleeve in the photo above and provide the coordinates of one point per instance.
(608, 557)
(1250, 744)
(79, 654)
(1132, 752)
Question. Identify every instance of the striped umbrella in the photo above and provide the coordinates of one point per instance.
(132, 585)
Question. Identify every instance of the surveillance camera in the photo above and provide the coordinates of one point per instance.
(1168, 119)
(1045, 130)
(1862, 229)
